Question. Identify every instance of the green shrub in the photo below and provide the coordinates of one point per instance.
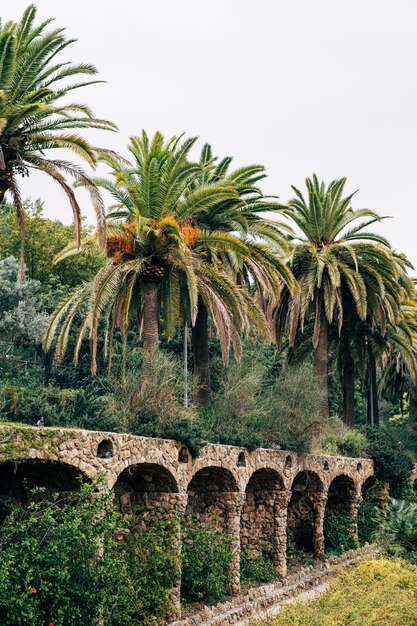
(206, 555)
(337, 439)
(254, 407)
(368, 523)
(151, 568)
(397, 531)
(338, 530)
(60, 563)
(393, 461)
(145, 391)
(256, 568)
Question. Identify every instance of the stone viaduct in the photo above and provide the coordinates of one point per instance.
(259, 497)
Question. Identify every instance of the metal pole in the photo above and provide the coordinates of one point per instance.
(185, 350)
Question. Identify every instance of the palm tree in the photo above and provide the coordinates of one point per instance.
(236, 238)
(395, 352)
(360, 342)
(328, 260)
(152, 266)
(34, 119)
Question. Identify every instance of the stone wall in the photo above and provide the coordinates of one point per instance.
(259, 497)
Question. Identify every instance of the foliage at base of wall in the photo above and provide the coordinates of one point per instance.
(206, 556)
(61, 562)
(397, 532)
(368, 523)
(339, 535)
(376, 593)
(256, 568)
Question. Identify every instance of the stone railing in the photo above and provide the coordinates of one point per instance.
(259, 497)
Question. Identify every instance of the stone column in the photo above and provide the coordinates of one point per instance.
(233, 509)
(181, 500)
(318, 500)
(282, 499)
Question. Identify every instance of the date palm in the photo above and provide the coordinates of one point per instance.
(394, 353)
(237, 238)
(152, 266)
(35, 116)
(361, 343)
(329, 257)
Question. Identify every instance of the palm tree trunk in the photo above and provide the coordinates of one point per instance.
(5, 179)
(373, 409)
(412, 398)
(151, 309)
(320, 365)
(349, 391)
(200, 342)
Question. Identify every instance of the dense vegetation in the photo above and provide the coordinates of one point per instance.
(62, 562)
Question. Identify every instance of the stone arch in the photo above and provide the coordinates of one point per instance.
(262, 534)
(214, 502)
(339, 528)
(149, 492)
(17, 478)
(142, 487)
(209, 493)
(305, 513)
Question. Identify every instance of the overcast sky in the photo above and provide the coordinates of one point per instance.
(301, 86)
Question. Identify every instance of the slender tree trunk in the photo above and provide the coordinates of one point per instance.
(151, 308)
(373, 409)
(200, 342)
(47, 359)
(185, 355)
(320, 365)
(412, 398)
(349, 391)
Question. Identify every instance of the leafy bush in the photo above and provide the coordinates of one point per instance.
(21, 318)
(60, 563)
(292, 418)
(337, 439)
(151, 568)
(256, 568)
(368, 523)
(339, 531)
(376, 593)
(393, 461)
(397, 530)
(144, 391)
(253, 408)
(237, 407)
(206, 555)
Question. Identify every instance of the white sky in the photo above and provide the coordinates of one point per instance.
(301, 86)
